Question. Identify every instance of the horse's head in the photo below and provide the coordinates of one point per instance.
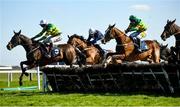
(168, 30)
(18, 39)
(109, 34)
(163, 46)
(76, 40)
(15, 40)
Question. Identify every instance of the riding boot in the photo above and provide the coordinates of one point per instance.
(100, 49)
(139, 45)
(47, 53)
(82, 56)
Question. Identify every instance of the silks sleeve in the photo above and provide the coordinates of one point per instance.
(132, 28)
(43, 38)
(40, 34)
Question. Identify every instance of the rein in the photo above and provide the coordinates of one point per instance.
(125, 44)
(177, 33)
(33, 50)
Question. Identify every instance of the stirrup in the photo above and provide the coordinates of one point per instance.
(47, 55)
(140, 50)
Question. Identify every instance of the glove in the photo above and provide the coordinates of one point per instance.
(126, 31)
(37, 40)
(32, 39)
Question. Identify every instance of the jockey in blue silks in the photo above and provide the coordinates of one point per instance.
(96, 35)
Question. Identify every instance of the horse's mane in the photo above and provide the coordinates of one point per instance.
(29, 40)
(81, 38)
(25, 37)
(177, 27)
(120, 31)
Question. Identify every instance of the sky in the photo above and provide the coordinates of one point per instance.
(77, 16)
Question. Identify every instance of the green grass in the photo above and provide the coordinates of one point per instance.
(35, 98)
(15, 81)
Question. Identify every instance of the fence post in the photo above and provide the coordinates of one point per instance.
(30, 76)
(11, 75)
(8, 74)
(38, 78)
(44, 82)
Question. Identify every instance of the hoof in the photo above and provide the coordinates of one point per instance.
(105, 65)
(20, 83)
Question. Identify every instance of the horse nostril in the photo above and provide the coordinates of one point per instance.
(163, 38)
(9, 46)
(103, 41)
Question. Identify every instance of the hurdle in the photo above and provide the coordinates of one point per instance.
(114, 78)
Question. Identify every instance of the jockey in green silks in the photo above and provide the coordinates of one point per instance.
(139, 28)
(49, 34)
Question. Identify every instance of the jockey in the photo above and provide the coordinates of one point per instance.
(139, 28)
(49, 34)
(96, 35)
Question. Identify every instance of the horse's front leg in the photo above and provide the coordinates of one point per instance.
(29, 66)
(24, 68)
(106, 61)
(23, 72)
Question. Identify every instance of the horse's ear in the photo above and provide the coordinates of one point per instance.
(168, 21)
(113, 24)
(14, 32)
(68, 36)
(19, 32)
(166, 45)
(173, 21)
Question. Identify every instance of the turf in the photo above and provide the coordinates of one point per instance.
(35, 98)
(38, 98)
(15, 81)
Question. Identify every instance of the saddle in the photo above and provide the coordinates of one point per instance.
(102, 52)
(140, 46)
(52, 50)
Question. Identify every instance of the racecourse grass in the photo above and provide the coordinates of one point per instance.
(38, 98)
(15, 81)
(35, 98)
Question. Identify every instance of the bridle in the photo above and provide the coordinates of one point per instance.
(123, 40)
(169, 31)
(32, 50)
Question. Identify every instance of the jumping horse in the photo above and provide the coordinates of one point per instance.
(172, 29)
(92, 53)
(35, 56)
(126, 49)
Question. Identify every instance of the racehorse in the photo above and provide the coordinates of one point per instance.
(165, 52)
(93, 55)
(35, 56)
(126, 49)
(172, 29)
